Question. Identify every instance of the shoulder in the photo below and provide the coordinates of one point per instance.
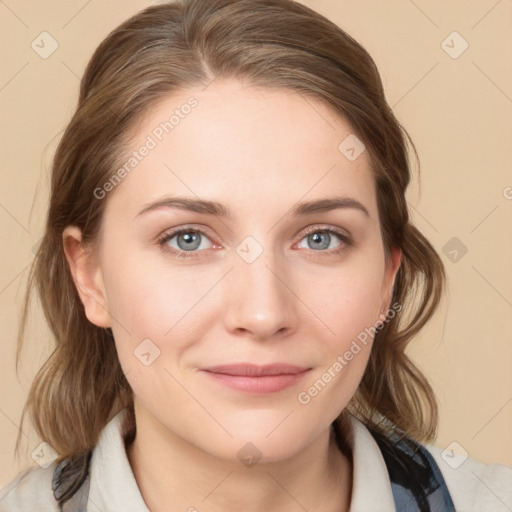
(474, 486)
(30, 490)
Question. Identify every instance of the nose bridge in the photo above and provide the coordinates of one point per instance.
(257, 297)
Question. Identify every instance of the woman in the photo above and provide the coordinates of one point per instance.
(232, 279)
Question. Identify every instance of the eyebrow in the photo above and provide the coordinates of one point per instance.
(218, 209)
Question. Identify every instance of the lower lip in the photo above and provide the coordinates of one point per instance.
(258, 385)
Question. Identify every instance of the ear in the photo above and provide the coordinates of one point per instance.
(393, 261)
(87, 276)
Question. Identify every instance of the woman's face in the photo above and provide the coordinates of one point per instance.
(254, 278)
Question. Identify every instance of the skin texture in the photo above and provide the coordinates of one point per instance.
(259, 152)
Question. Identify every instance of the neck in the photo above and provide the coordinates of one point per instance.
(173, 474)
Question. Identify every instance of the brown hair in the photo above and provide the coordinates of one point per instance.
(268, 43)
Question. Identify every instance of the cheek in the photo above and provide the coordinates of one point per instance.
(347, 303)
(346, 300)
(159, 311)
(150, 299)
(345, 346)
(153, 323)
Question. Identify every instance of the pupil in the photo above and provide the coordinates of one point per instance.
(190, 240)
(317, 239)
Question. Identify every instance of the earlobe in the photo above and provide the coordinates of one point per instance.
(87, 276)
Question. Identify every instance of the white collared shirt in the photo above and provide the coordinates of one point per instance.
(474, 487)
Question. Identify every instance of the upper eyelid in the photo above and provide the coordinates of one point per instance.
(325, 227)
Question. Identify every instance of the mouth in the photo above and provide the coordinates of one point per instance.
(256, 379)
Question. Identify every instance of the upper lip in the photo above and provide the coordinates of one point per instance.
(254, 370)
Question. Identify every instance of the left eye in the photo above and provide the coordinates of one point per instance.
(321, 239)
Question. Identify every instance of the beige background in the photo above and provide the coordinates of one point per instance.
(458, 111)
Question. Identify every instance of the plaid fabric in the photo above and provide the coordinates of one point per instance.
(70, 483)
(416, 480)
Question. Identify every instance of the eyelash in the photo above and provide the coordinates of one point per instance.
(162, 241)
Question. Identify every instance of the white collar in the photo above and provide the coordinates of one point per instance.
(114, 488)
(371, 487)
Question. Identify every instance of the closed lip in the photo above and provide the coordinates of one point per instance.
(254, 370)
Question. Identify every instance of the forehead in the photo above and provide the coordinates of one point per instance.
(245, 146)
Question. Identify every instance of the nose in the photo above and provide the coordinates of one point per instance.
(259, 299)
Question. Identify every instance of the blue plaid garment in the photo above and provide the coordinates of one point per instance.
(416, 480)
(70, 483)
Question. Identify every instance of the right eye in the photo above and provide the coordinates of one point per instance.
(188, 242)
